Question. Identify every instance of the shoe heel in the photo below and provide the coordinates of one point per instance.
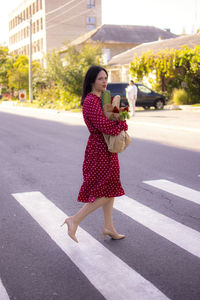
(104, 236)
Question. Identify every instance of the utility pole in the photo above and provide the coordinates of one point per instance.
(30, 62)
(30, 59)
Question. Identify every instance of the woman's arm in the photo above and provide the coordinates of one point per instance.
(93, 111)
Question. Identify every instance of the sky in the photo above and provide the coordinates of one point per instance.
(180, 16)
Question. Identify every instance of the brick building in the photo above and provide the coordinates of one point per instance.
(53, 23)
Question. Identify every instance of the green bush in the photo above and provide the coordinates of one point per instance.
(56, 98)
(180, 97)
(171, 69)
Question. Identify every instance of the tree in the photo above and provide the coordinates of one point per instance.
(18, 71)
(4, 57)
(172, 68)
(69, 72)
(76, 65)
(61, 82)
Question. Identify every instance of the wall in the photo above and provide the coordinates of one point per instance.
(71, 22)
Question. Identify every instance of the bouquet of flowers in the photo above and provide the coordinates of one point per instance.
(113, 111)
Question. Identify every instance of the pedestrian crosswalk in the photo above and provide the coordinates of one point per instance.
(173, 231)
(3, 293)
(97, 263)
(176, 189)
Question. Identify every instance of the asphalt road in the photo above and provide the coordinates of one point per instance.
(41, 160)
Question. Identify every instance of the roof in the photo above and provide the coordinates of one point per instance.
(123, 34)
(173, 43)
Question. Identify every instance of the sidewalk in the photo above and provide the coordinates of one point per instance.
(187, 120)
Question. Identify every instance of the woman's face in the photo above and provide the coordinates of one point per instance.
(101, 82)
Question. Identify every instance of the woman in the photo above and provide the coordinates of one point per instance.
(101, 172)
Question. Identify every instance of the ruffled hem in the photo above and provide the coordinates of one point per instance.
(93, 198)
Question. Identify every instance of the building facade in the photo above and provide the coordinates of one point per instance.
(53, 24)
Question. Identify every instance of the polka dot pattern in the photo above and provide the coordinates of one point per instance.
(101, 172)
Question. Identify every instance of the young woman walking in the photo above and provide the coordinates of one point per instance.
(101, 173)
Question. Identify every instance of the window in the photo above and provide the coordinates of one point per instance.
(30, 10)
(26, 13)
(90, 3)
(144, 89)
(34, 31)
(38, 45)
(34, 47)
(106, 55)
(40, 4)
(41, 24)
(33, 8)
(38, 26)
(91, 20)
(37, 5)
(41, 44)
(91, 27)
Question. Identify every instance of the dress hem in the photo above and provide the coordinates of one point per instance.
(110, 196)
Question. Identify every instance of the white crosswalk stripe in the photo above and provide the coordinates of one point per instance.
(3, 293)
(176, 189)
(104, 269)
(177, 233)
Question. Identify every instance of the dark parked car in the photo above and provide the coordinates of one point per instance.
(145, 98)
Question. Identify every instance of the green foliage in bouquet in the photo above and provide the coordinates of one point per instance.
(106, 97)
(124, 115)
(115, 106)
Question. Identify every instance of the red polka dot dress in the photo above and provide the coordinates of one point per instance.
(101, 173)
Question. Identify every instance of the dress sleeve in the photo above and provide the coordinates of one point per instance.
(93, 111)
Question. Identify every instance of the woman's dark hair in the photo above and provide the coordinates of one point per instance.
(89, 79)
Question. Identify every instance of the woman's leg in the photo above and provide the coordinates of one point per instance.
(73, 221)
(107, 210)
(89, 208)
(109, 228)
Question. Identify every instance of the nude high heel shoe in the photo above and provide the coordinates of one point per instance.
(70, 229)
(114, 235)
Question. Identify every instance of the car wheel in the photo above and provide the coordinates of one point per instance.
(146, 107)
(159, 104)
